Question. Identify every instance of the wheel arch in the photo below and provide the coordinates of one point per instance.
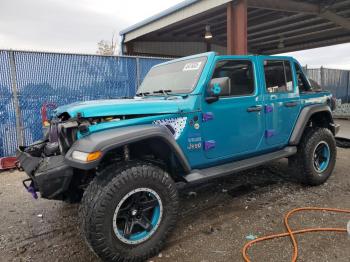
(143, 138)
(313, 116)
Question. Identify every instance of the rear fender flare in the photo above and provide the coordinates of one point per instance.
(303, 119)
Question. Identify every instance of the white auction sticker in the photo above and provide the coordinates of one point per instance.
(192, 66)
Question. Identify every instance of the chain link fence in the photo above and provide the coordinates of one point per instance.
(28, 80)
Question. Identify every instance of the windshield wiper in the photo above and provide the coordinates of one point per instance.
(163, 91)
(143, 94)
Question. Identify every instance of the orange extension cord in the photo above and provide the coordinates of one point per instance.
(292, 234)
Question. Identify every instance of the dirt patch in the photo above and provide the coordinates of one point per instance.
(214, 219)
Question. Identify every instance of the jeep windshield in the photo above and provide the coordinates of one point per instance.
(176, 77)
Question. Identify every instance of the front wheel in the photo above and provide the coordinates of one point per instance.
(127, 212)
(315, 160)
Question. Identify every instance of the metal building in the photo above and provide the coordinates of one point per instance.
(240, 27)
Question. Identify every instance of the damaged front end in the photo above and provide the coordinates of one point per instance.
(55, 171)
(44, 162)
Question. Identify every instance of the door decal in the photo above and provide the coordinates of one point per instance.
(268, 109)
(210, 144)
(269, 133)
(207, 116)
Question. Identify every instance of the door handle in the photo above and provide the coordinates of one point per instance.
(254, 109)
(290, 104)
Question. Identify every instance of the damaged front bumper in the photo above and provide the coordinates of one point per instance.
(48, 175)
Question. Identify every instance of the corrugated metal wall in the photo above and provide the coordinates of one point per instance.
(335, 80)
(59, 79)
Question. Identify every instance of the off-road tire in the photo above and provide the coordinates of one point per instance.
(103, 195)
(302, 165)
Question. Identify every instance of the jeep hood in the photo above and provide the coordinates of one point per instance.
(113, 107)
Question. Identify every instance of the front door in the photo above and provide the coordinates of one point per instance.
(234, 125)
(282, 101)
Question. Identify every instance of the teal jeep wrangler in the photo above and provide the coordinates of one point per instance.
(192, 119)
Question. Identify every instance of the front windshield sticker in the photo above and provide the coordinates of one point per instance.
(192, 66)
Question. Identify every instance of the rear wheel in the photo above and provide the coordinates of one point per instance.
(127, 212)
(316, 156)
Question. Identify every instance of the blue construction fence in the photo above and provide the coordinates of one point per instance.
(28, 80)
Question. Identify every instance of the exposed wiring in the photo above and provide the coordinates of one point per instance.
(292, 234)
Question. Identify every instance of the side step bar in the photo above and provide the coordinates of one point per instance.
(199, 175)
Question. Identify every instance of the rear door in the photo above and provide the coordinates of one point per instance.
(282, 100)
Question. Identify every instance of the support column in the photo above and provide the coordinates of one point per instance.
(237, 28)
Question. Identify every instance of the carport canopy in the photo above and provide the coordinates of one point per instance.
(240, 27)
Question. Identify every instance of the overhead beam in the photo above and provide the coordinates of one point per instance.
(285, 5)
(215, 25)
(282, 27)
(303, 35)
(300, 7)
(208, 19)
(200, 26)
(286, 33)
(278, 27)
(307, 45)
(335, 18)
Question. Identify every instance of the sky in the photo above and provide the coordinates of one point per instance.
(76, 26)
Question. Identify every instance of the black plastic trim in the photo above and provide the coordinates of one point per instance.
(110, 139)
(53, 177)
(200, 175)
(27, 162)
(304, 118)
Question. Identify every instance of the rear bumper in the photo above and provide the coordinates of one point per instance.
(50, 175)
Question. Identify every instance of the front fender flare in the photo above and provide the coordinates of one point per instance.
(107, 140)
(304, 117)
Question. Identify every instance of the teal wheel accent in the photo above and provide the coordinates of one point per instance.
(137, 216)
(322, 155)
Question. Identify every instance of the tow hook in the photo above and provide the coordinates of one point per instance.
(30, 188)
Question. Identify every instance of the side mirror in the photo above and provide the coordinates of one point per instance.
(218, 87)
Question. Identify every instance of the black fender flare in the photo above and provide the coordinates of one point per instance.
(107, 140)
(304, 117)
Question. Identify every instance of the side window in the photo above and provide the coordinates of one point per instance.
(303, 84)
(278, 76)
(240, 73)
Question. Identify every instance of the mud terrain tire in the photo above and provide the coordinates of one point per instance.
(102, 200)
(304, 164)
